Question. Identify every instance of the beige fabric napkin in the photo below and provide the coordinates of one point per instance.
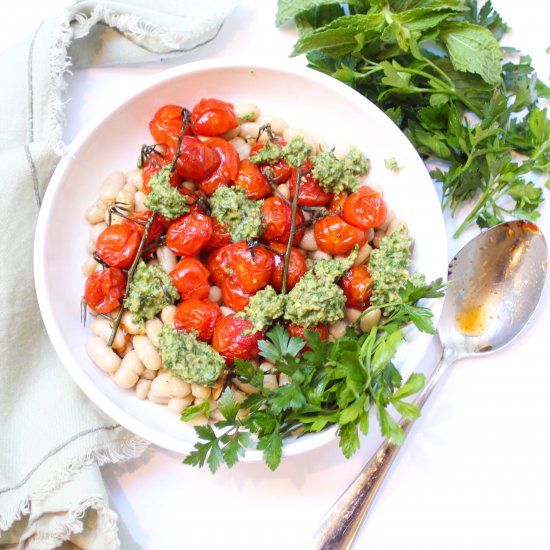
(52, 439)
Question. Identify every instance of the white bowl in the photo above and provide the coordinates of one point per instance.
(306, 99)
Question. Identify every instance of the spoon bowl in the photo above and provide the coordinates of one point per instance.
(497, 280)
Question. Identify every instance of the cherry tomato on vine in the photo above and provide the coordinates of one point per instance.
(250, 268)
(231, 342)
(337, 203)
(188, 234)
(227, 170)
(197, 161)
(276, 220)
(311, 193)
(156, 229)
(118, 244)
(357, 286)
(296, 330)
(233, 295)
(105, 289)
(279, 171)
(153, 161)
(252, 181)
(202, 316)
(220, 236)
(217, 264)
(167, 124)
(365, 209)
(213, 117)
(190, 277)
(336, 237)
(296, 267)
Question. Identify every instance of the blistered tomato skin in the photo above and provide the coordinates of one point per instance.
(251, 180)
(231, 342)
(279, 171)
(188, 234)
(227, 169)
(217, 264)
(197, 161)
(250, 268)
(200, 316)
(365, 209)
(117, 245)
(310, 193)
(220, 236)
(152, 164)
(296, 267)
(166, 125)
(213, 117)
(104, 289)
(190, 278)
(336, 237)
(155, 229)
(233, 295)
(357, 286)
(277, 219)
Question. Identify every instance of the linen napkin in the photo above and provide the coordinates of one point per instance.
(52, 439)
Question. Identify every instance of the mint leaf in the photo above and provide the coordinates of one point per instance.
(288, 9)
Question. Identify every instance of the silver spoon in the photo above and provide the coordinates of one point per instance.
(498, 279)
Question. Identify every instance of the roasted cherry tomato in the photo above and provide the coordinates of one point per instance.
(279, 171)
(188, 234)
(311, 193)
(276, 220)
(337, 203)
(233, 295)
(231, 342)
(227, 170)
(152, 163)
(252, 181)
(167, 124)
(202, 316)
(156, 229)
(105, 289)
(296, 330)
(357, 286)
(197, 161)
(296, 267)
(220, 236)
(217, 264)
(190, 277)
(336, 237)
(213, 117)
(118, 244)
(365, 209)
(250, 268)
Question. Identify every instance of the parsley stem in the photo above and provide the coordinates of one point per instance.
(292, 228)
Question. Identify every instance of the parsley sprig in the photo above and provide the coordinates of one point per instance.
(436, 67)
(336, 383)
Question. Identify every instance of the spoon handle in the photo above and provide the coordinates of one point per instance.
(338, 528)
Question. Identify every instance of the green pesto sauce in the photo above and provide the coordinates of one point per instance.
(188, 358)
(391, 163)
(297, 151)
(151, 289)
(270, 153)
(165, 199)
(389, 268)
(242, 216)
(263, 308)
(338, 175)
(331, 270)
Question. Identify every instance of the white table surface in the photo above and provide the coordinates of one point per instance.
(475, 472)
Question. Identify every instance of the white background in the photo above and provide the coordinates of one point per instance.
(475, 472)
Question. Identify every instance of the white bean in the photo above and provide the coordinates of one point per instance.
(226, 311)
(102, 327)
(216, 415)
(176, 405)
(215, 294)
(217, 390)
(370, 234)
(341, 150)
(246, 112)
(351, 314)
(130, 188)
(202, 392)
(95, 213)
(149, 374)
(95, 231)
(133, 177)
(158, 400)
(90, 246)
(390, 216)
(167, 315)
(130, 369)
(320, 255)
(179, 388)
(284, 190)
(231, 133)
(266, 366)
(395, 225)
(125, 199)
(128, 324)
(142, 388)
(338, 329)
(278, 125)
(139, 201)
(102, 355)
(199, 420)
(378, 236)
(270, 381)
(370, 319)
(152, 329)
(166, 258)
(246, 388)
(160, 387)
(249, 130)
(189, 185)
(148, 354)
(291, 132)
(89, 266)
(111, 186)
(284, 379)
(241, 146)
(308, 241)
(363, 254)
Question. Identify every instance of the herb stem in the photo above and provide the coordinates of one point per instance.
(292, 228)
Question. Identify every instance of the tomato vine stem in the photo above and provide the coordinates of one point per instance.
(292, 228)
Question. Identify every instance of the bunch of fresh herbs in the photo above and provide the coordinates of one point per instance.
(332, 383)
(437, 68)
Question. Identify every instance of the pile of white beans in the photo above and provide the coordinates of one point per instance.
(134, 362)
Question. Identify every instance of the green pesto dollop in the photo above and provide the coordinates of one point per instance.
(391, 163)
(297, 151)
(270, 153)
(389, 267)
(337, 175)
(150, 290)
(165, 199)
(188, 358)
(333, 269)
(263, 308)
(233, 209)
